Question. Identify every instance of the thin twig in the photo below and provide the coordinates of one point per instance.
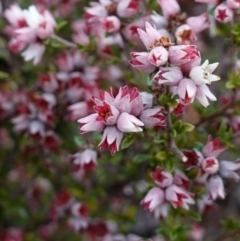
(63, 41)
(228, 235)
(217, 113)
(171, 145)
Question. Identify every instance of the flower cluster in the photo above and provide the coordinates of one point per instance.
(34, 115)
(171, 189)
(213, 171)
(175, 66)
(185, 29)
(127, 112)
(73, 84)
(61, 8)
(107, 13)
(28, 28)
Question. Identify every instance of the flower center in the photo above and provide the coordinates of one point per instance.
(104, 112)
(163, 41)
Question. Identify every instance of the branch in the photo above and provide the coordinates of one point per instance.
(63, 41)
(228, 235)
(218, 113)
(171, 145)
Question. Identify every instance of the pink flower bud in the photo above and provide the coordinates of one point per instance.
(229, 169)
(215, 187)
(210, 165)
(197, 233)
(140, 61)
(198, 23)
(153, 117)
(127, 8)
(187, 90)
(178, 197)
(111, 24)
(90, 124)
(79, 210)
(16, 46)
(112, 138)
(88, 159)
(213, 147)
(129, 123)
(181, 54)
(187, 67)
(154, 198)
(223, 14)
(169, 7)
(181, 180)
(161, 211)
(65, 62)
(150, 37)
(233, 4)
(168, 75)
(15, 16)
(162, 178)
(78, 110)
(205, 204)
(158, 56)
(147, 99)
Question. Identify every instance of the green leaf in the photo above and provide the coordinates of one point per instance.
(61, 25)
(192, 173)
(168, 164)
(56, 44)
(141, 158)
(127, 141)
(233, 81)
(178, 126)
(149, 81)
(188, 127)
(181, 127)
(195, 216)
(162, 155)
(230, 223)
(173, 102)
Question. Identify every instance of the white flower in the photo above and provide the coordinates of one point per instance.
(203, 74)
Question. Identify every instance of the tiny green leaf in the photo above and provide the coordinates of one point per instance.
(127, 141)
(195, 216)
(188, 127)
(61, 25)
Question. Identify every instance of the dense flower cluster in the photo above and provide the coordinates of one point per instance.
(176, 66)
(212, 171)
(28, 28)
(107, 13)
(124, 113)
(170, 190)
